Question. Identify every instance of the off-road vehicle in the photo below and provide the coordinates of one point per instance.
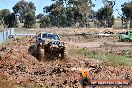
(47, 45)
(126, 36)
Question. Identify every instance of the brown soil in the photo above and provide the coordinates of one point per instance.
(21, 67)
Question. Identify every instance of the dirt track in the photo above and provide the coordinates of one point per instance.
(20, 67)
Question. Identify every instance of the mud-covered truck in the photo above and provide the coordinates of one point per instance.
(126, 36)
(47, 45)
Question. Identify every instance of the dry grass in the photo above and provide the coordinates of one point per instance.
(4, 83)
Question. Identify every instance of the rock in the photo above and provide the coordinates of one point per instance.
(3, 49)
(65, 82)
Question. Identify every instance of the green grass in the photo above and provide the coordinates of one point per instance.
(27, 85)
(128, 53)
(112, 59)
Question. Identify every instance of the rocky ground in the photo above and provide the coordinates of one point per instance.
(22, 69)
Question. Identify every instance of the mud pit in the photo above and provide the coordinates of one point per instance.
(21, 67)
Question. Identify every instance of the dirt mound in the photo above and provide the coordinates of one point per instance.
(21, 67)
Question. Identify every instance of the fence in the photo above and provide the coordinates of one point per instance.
(5, 34)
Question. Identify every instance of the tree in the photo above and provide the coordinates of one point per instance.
(10, 21)
(24, 9)
(105, 17)
(3, 14)
(29, 20)
(55, 11)
(39, 16)
(127, 13)
(118, 17)
(68, 12)
(82, 10)
(45, 22)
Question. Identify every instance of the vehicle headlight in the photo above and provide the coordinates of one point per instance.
(61, 44)
(46, 41)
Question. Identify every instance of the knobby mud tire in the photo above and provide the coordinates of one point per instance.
(32, 50)
(40, 53)
(64, 54)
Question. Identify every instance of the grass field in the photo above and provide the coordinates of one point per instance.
(112, 59)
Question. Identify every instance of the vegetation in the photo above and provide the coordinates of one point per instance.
(7, 18)
(113, 59)
(29, 20)
(64, 13)
(128, 53)
(45, 22)
(26, 13)
(105, 17)
(127, 13)
(10, 21)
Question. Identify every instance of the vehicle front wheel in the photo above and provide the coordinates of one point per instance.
(32, 50)
(40, 53)
(121, 40)
(64, 53)
(126, 40)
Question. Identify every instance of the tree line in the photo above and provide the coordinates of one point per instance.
(64, 13)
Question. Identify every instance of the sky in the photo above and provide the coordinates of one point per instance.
(8, 4)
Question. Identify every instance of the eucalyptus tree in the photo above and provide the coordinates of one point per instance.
(127, 13)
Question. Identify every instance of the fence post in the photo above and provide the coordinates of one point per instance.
(0, 37)
(12, 31)
(3, 36)
(6, 35)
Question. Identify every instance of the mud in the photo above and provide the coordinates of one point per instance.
(19, 66)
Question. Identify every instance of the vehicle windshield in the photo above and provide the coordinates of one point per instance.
(51, 36)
